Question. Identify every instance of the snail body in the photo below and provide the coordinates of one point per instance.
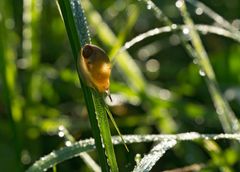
(95, 67)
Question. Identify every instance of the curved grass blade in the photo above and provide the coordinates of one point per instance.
(215, 16)
(69, 140)
(86, 145)
(61, 155)
(204, 29)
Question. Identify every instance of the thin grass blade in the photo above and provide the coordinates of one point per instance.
(154, 155)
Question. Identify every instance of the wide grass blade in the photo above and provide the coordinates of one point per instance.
(78, 34)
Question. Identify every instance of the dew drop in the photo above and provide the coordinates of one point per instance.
(219, 111)
(52, 153)
(61, 128)
(152, 65)
(179, 3)
(202, 73)
(174, 26)
(137, 158)
(207, 138)
(199, 11)
(185, 30)
(42, 158)
(68, 143)
(61, 134)
(149, 6)
(195, 61)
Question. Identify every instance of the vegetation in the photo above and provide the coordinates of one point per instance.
(174, 84)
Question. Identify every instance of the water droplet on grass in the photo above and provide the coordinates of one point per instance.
(202, 73)
(179, 3)
(195, 61)
(185, 30)
(61, 134)
(68, 143)
(174, 26)
(149, 6)
(199, 11)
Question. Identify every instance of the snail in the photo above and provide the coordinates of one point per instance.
(96, 68)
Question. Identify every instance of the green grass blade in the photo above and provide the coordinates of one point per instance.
(115, 125)
(9, 91)
(104, 129)
(67, 16)
(61, 155)
(78, 34)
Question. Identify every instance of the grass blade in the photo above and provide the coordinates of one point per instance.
(86, 145)
(154, 155)
(115, 125)
(78, 34)
(105, 130)
(216, 17)
(11, 98)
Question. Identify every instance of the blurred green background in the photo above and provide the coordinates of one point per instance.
(40, 90)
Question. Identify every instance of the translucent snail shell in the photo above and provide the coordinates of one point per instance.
(95, 67)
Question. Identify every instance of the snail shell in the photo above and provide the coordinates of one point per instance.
(95, 67)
